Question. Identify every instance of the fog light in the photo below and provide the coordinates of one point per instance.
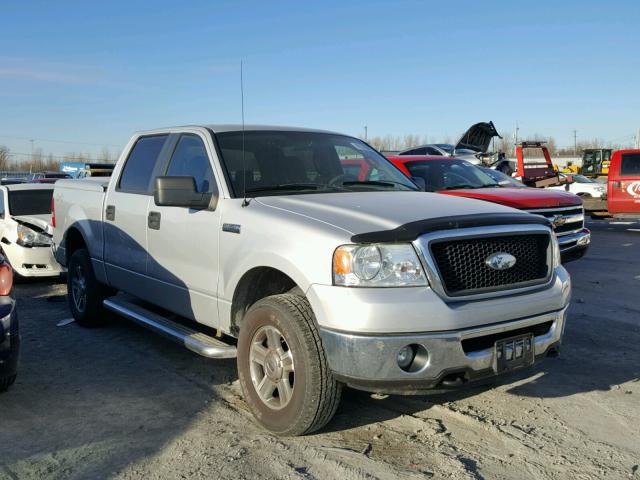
(405, 356)
(412, 358)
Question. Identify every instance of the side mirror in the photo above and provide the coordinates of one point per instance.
(420, 183)
(181, 192)
(569, 179)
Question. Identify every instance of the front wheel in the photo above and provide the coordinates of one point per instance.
(85, 294)
(282, 367)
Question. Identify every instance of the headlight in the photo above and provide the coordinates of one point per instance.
(557, 258)
(31, 238)
(377, 265)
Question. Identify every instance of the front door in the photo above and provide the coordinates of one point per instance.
(624, 184)
(125, 217)
(183, 242)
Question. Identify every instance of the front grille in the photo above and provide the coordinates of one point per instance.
(463, 269)
(573, 218)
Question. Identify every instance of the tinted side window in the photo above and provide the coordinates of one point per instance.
(630, 165)
(432, 151)
(190, 159)
(137, 172)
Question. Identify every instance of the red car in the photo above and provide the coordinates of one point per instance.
(452, 176)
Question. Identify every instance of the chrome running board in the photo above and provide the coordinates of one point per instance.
(193, 340)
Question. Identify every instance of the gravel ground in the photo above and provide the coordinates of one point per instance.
(121, 402)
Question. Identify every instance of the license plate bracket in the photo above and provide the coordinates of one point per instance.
(514, 352)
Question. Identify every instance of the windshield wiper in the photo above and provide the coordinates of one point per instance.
(293, 187)
(377, 183)
(460, 186)
(285, 186)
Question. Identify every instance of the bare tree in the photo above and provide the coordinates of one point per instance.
(104, 156)
(5, 164)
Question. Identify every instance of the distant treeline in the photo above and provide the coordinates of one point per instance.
(505, 144)
(38, 161)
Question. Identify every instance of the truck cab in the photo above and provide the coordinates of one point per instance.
(596, 162)
(623, 183)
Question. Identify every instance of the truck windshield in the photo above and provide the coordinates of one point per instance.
(30, 202)
(450, 174)
(290, 162)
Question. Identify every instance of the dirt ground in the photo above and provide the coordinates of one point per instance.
(121, 402)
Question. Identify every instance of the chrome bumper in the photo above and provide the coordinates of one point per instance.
(370, 362)
(580, 239)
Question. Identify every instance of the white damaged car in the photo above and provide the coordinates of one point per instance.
(25, 229)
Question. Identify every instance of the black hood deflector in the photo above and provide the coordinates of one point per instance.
(411, 231)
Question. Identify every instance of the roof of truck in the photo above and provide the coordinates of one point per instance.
(230, 127)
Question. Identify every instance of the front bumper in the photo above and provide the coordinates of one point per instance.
(369, 362)
(9, 337)
(33, 261)
(574, 245)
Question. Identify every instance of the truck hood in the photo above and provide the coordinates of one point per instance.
(521, 198)
(477, 138)
(41, 222)
(362, 212)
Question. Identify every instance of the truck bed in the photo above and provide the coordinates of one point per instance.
(79, 204)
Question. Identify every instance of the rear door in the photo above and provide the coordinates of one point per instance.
(624, 182)
(183, 242)
(125, 216)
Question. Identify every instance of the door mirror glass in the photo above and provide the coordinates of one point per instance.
(180, 192)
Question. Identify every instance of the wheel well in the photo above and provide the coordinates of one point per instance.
(257, 283)
(73, 241)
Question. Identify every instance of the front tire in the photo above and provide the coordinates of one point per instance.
(282, 367)
(85, 294)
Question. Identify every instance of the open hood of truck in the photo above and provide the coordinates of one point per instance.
(40, 222)
(362, 212)
(477, 138)
(520, 198)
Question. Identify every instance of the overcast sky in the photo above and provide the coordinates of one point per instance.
(91, 73)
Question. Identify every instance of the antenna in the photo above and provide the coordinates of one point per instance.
(245, 202)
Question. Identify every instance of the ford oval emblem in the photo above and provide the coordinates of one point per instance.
(500, 261)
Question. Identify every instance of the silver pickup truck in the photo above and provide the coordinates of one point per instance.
(268, 244)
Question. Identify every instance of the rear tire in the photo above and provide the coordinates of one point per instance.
(85, 294)
(282, 367)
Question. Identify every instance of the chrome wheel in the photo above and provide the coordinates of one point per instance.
(79, 288)
(271, 367)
